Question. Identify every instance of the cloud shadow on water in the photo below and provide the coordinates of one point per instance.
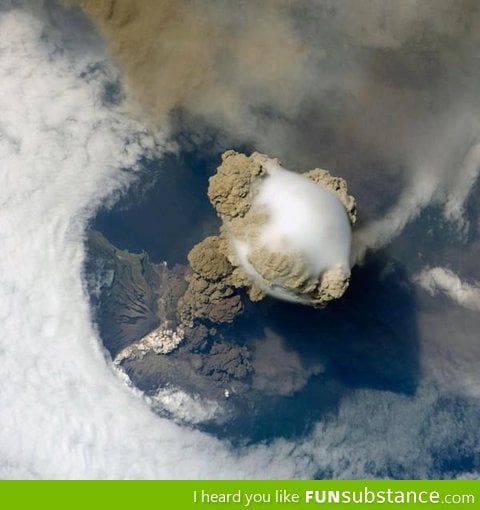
(366, 340)
(369, 337)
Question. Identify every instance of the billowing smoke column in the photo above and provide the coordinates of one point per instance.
(283, 234)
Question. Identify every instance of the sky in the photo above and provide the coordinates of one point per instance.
(65, 149)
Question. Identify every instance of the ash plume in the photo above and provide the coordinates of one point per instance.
(282, 234)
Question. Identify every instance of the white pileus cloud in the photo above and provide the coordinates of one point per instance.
(309, 216)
